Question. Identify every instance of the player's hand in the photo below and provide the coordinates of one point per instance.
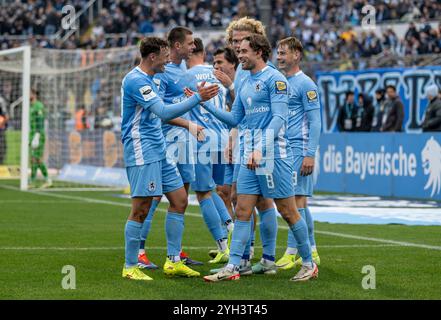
(188, 92)
(197, 131)
(307, 166)
(254, 160)
(208, 92)
(223, 78)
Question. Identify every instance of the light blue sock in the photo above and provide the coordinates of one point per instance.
(246, 252)
(211, 218)
(131, 234)
(221, 208)
(310, 223)
(174, 229)
(241, 234)
(147, 223)
(268, 233)
(300, 231)
(292, 243)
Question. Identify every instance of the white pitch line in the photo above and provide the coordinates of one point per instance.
(38, 201)
(164, 248)
(335, 234)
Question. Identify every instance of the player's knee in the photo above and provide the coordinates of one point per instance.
(223, 193)
(242, 213)
(233, 196)
(140, 210)
(264, 204)
(179, 205)
(202, 195)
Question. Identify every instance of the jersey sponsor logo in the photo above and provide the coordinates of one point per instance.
(260, 109)
(249, 100)
(147, 93)
(281, 87)
(311, 95)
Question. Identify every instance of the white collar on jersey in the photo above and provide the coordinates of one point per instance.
(298, 73)
(140, 70)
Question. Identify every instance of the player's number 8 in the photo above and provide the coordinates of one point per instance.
(294, 178)
(270, 181)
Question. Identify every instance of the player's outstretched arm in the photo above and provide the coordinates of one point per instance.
(171, 111)
(232, 118)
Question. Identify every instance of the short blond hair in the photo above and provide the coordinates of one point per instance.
(292, 43)
(245, 24)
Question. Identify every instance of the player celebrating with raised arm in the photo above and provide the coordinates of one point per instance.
(304, 125)
(267, 168)
(148, 171)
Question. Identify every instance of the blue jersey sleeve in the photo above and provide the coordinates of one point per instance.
(232, 118)
(278, 88)
(174, 110)
(315, 124)
(143, 92)
(310, 96)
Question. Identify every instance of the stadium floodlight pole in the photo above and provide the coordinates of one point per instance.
(24, 159)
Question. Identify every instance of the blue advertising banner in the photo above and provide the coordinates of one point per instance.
(410, 83)
(382, 164)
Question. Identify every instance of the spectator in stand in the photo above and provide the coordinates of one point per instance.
(379, 110)
(432, 118)
(364, 114)
(347, 113)
(393, 115)
(81, 122)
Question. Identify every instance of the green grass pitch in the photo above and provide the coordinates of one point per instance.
(42, 232)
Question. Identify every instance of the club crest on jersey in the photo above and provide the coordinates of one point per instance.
(281, 87)
(312, 95)
(152, 186)
(147, 93)
(258, 87)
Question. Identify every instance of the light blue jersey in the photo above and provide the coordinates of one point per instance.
(239, 78)
(141, 132)
(214, 127)
(171, 89)
(303, 97)
(256, 96)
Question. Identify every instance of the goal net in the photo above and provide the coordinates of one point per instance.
(72, 100)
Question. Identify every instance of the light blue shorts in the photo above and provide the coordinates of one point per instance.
(229, 171)
(236, 172)
(303, 184)
(278, 184)
(208, 175)
(153, 179)
(187, 172)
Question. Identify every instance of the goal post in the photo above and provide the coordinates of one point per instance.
(16, 63)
